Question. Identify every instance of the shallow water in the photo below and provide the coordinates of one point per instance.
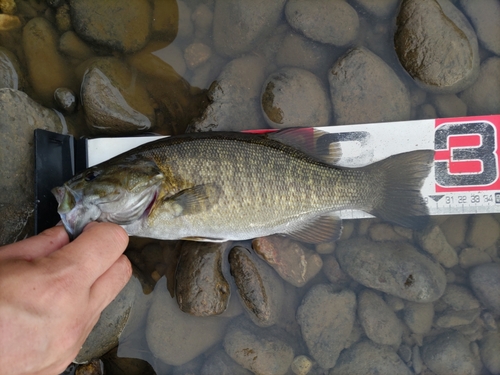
(176, 94)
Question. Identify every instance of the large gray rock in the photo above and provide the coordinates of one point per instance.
(325, 21)
(436, 45)
(326, 318)
(489, 349)
(11, 75)
(484, 15)
(364, 89)
(127, 30)
(449, 353)
(395, 268)
(108, 329)
(240, 25)
(485, 281)
(235, 97)
(366, 357)
(19, 117)
(222, 364)
(175, 337)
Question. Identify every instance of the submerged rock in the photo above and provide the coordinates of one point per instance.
(326, 318)
(200, 287)
(365, 89)
(436, 45)
(395, 268)
(11, 75)
(485, 281)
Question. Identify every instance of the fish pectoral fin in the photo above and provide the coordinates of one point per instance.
(317, 143)
(195, 199)
(322, 229)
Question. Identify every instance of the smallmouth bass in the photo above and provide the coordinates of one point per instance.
(221, 186)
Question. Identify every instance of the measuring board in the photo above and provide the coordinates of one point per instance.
(465, 177)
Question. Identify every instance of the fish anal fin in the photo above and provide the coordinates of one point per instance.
(317, 143)
(322, 229)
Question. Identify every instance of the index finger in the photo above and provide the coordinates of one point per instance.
(93, 252)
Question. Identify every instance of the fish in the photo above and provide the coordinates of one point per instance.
(232, 186)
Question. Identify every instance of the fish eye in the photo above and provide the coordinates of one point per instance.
(90, 176)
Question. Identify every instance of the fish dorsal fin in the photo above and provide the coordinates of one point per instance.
(196, 199)
(314, 142)
(322, 229)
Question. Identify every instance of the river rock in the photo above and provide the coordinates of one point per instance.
(380, 323)
(128, 30)
(366, 357)
(200, 286)
(65, 99)
(395, 268)
(484, 231)
(333, 22)
(459, 298)
(484, 15)
(257, 349)
(239, 25)
(222, 364)
(235, 97)
(419, 316)
(292, 261)
(11, 75)
(451, 318)
(449, 353)
(294, 97)
(175, 337)
(301, 52)
(454, 229)
(434, 242)
(485, 282)
(333, 272)
(450, 105)
(472, 256)
(436, 45)
(365, 89)
(47, 68)
(326, 318)
(260, 288)
(19, 117)
(106, 333)
(489, 348)
(73, 46)
(483, 97)
(115, 102)
(379, 8)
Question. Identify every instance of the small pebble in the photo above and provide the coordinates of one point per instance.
(301, 365)
(65, 99)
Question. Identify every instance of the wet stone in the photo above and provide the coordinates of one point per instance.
(11, 75)
(19, 117)
(326, 318)
(222, 364)
(235, 97)
(65, 99)
(485, 282)
(450, 105)
(127, 31)
(380, 323)
(484, 15)
(294, 97)
(175, 337)
(484, 231)
(434, 242)
(200, 287)
(379, 8)
(71, 45)
(472, 256)
(436, 45)
(395, 268)
(419, 316)
(333, 272)
(449, 353)
(113, 105)
(454, 229)
(365, 89)
(459, 298)
(489, 348)
(366, 357)
(106, 333)
(240, 25)
(47, 68)
(314, 20)
(292, 261)
(257, 349)
(384, 232)
(301, 365)
(196, 54)
(260, 288)
(451, 318)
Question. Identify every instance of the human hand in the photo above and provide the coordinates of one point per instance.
(52, 293)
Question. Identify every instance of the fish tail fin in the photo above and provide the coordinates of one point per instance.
(400, 178)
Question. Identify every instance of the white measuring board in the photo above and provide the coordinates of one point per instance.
(464, 179)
